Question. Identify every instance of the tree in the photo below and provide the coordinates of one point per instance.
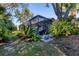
(22, 15)
(25, 15)
(58, 9)
(5, 23)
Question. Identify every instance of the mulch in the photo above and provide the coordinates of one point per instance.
(69, 45)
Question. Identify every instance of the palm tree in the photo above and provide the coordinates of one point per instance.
(25, 15)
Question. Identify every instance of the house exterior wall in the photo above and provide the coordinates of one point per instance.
(40, 24)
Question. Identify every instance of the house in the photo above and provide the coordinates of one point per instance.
(40, 24)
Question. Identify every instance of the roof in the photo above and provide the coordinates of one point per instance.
(38, 16)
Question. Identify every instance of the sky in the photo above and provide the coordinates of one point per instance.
(40, 9)
(77, 16)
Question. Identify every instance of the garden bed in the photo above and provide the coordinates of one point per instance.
(69, 45)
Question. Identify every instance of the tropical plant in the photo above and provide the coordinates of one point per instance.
(6, 24)
(36, 37)
(62, 28)
(30, 33)
(17, 33)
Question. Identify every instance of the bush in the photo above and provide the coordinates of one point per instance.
(70, 18)
(6, 37)
(17, 33)
(12, 36)
(35, 37)
(29, 32)
(62, 28)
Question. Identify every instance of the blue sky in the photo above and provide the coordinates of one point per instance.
(41, 9)
(77, 15)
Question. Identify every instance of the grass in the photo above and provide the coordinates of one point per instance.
(33, 49)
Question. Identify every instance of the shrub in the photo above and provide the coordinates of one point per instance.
(12, 36)
(62, 28)
(35, 37)
(29, 32)
(17, 33)
(7, 37)
(76, 25)
(70, 18)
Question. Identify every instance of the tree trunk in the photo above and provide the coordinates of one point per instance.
(57, 10)
(54, 7)
(67, 12)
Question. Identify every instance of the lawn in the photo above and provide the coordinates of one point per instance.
(23, 48)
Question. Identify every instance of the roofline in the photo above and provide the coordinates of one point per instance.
(39, 16)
